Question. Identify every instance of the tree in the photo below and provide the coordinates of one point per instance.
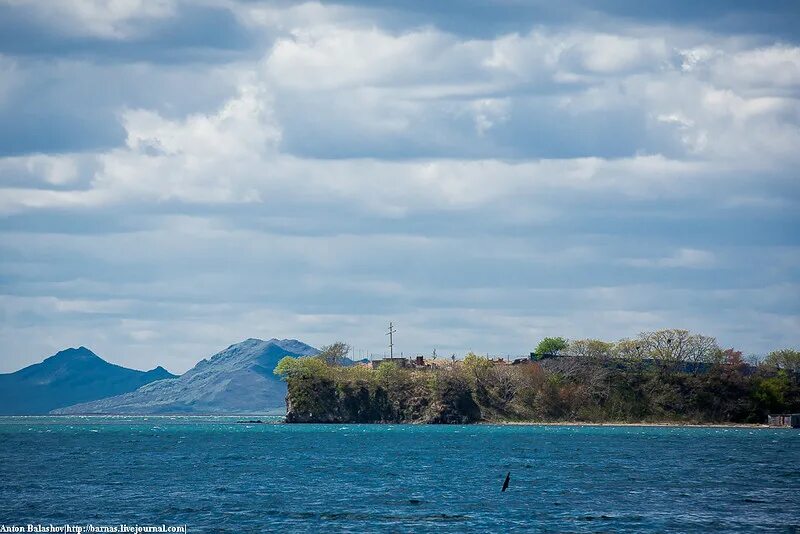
(771, 392)
(673, 346)
(732, 357)
(551, 346)
(335, 353)
(754, 360)
(788, 359)
(628, 349)
(476, 366)
(507, 384)
(305, 367)
(478, 371)
(591, 348)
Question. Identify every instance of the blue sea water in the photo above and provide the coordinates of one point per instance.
(215, 475)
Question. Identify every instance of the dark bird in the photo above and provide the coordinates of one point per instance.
(506, 481)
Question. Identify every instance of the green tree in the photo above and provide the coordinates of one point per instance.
(551, 346)
(476, 365)
(771, 392)
(289, 368)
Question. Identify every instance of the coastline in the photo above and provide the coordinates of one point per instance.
(639, 424)
(278, 419)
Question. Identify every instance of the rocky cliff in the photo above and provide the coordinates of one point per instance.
(425, 398)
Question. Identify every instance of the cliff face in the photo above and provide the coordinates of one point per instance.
(567, 389)
(322, 400)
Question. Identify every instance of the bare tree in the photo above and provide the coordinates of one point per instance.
(753, 359)
(335, 353)
(784, 359)
(590, 348)
(628, 349)
(674, 346)
(507, 383)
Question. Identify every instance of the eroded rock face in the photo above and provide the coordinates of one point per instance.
(453, 402)
(295, 415)
(312, 400)
(319, 400)
(462, 412)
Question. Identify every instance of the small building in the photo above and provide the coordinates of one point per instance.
(791, 420)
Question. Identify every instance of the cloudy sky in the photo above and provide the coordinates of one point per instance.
(179, 175)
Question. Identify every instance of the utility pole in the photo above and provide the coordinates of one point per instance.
(391, 343)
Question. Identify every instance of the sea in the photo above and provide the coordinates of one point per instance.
(229, 474)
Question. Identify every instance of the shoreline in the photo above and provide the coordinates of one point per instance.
(252, 419)
(640, 424)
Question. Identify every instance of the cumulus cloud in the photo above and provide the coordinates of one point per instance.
(765, 71)
(481, 190)
(328, 57)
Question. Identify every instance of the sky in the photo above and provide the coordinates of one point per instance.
(179, 175)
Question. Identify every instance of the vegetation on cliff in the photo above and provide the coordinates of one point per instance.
(325, 393)
(669, 375)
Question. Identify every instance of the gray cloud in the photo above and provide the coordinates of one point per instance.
(314, 171)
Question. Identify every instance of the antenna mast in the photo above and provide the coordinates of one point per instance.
(391, 343)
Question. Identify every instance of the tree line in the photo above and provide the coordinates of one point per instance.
(667, 347)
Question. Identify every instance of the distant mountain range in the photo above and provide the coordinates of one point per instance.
(69, 377)
(238, 380)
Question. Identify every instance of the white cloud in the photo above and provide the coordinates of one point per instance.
(767, 71)
(233, 155)
(696, 57)
(296, 16)
(328, 57)
(45, 170)
(685, 258)
(54, 170)
(497, 182)
(488, 112)
(740, 103)
(115, 19)
(609, 54)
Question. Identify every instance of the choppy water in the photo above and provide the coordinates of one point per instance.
(217, 476)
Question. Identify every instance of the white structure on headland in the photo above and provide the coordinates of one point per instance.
(784, 419)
